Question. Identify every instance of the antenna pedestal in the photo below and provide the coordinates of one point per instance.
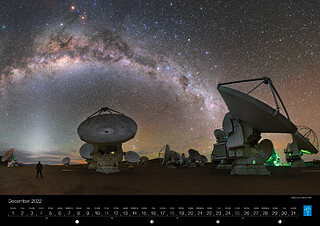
(224, 165)
(250, 170)
(173, 159)
(251, 163)
(238, 148)
(293, 155)
(171, 167)
(144, 161)
(132, 165)
(192, 163)
(11, 164)
(183, 160)
(170, 158)
(108, 158)
(132, 159)
(220, 153)
(107, 169)
(298, 163)
(91, 164)
(305, 141)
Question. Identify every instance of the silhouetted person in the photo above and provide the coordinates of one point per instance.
(39, 168)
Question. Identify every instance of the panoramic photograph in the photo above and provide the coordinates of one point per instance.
(103, 97)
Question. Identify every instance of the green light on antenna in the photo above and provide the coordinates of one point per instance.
(274, 160)
(305, 152)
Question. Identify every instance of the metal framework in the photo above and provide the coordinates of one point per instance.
(264, 80)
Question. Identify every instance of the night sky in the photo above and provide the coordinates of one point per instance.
(158, 62)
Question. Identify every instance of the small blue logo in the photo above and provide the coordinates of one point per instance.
(307, 210)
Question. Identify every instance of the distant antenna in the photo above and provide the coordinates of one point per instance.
(132, 158)
(66, 161)
(194, 156)
(183, 160)
(161, 154)
(203, 160)
(9, 157)
(171, 158)
(144, 161)
(166, 155)
(305, 141)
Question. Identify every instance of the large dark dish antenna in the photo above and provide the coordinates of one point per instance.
(255, 113)
(242, 128)
(243, 125)
(264, 80)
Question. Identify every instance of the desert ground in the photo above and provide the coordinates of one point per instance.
(156, 180)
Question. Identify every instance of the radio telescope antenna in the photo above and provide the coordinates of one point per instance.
(161, 153)
(144, 161)
(86, 152)
(109, 128)
(132, 158)
(264, 80)
(194, 156)
(106, 129)
(170, 158)
(265, 149)
(66, 161)
(203, 160)
(248, 117)
(9, 157)
(305, 141)
(183, 160)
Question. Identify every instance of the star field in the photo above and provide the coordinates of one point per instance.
(158, 62)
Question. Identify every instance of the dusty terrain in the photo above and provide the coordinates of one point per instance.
(156, 180)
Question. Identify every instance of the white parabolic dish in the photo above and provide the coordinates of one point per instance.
(132, 157)
(66, 160)
(255, 113)
(304, 143)
(107, 129)
(86, 150)
(265, 149)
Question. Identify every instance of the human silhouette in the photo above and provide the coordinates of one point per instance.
(39, 169)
